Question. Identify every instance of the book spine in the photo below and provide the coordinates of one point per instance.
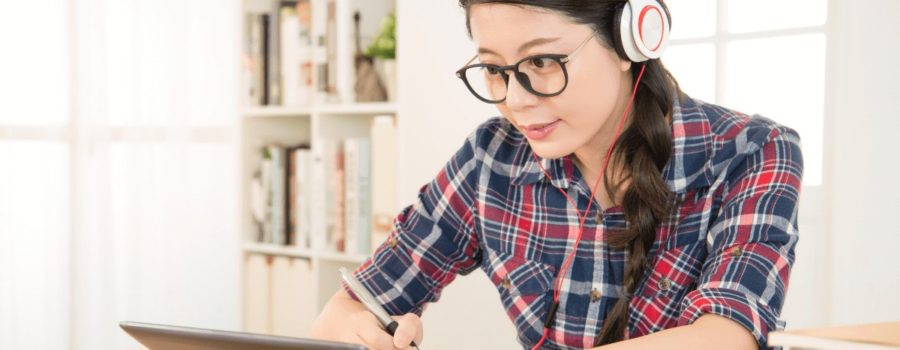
(274, 57)
(383, 177)
(265, 22)
(332, 53)
(363, 188)
(291, 197)
(319, 64)
(252, 56)
(340, 232)
(294, 57)
(351, 200)
(266, 169)
(319, 205)
(304, 193)
(278, 194)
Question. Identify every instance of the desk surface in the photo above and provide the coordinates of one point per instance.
(878, 336)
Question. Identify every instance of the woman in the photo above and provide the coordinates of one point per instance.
(609, 209)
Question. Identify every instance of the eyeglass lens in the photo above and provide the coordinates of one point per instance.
(541, 75)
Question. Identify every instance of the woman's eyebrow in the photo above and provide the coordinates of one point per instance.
(525, 46)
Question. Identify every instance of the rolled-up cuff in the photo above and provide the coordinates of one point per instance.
(734, 305)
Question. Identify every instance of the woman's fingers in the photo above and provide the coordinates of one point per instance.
(409, 329)
(376, 338)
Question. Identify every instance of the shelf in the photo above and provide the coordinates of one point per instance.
(277, 111)
(294, 252)
(358, 108)
(369, 108)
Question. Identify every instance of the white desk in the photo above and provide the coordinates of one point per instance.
(879, 336)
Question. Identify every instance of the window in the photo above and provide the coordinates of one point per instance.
(767, 57)
(722, 52)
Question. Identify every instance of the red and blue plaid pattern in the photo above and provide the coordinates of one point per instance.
(726, 249)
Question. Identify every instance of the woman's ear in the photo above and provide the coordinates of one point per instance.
(624, 65)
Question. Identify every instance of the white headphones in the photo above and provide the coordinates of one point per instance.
(641, 31)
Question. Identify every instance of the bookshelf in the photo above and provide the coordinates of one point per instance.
(301, 93)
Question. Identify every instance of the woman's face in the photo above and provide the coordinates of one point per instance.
(583, 118)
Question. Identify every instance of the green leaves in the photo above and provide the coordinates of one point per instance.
(385, 44)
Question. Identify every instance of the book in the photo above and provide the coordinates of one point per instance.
(266, 168)
(326, 197)
(266, 37)
(383, 177)
(273, 57)
(357, 216)
(875, 336)
(296, 56)
(339, 235)
(293, 195)
(319, 55)
(301, 189)
(278, 194)
(351, 200)
(332, 52)
(252, 60)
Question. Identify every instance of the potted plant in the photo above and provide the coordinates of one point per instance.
(383, 50)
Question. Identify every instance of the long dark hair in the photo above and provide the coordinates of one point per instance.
(644, 147)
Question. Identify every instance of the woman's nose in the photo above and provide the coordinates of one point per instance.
(517, 97)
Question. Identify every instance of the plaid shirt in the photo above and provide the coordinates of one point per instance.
(726, 249)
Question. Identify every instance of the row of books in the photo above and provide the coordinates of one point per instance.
(331, 196)
(289, 54)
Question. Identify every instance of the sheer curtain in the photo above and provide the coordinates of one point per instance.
(118, 189)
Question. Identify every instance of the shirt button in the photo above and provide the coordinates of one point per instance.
(506, 283)
(595, 295)
(664, 284)
(736, 252)
(392, 242)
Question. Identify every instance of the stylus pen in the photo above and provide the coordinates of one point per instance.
(369, 301)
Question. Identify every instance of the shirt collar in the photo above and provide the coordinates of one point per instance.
(687, 169)
(561, 170)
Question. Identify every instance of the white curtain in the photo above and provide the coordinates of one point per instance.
(118, 183)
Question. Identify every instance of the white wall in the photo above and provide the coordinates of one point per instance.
(861, 163)
(437, 115)
(857, 279)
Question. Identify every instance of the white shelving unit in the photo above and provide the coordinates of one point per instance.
(262, 125)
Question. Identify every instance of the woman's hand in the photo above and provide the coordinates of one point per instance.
(346, 320)
(368, 331)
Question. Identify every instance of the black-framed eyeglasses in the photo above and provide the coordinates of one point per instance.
(543, 75)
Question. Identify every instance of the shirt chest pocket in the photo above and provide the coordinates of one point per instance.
(670, 278)
(524, 287)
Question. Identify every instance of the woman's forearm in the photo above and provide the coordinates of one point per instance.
(708, 332)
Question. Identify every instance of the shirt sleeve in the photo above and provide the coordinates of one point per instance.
(432, 240)
(745, 276)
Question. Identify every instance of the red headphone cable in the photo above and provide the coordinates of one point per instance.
(557, 285)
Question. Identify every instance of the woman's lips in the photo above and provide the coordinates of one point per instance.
(540, 131)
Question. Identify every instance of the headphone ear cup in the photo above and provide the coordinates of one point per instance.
(649, 27)
(624, 34)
